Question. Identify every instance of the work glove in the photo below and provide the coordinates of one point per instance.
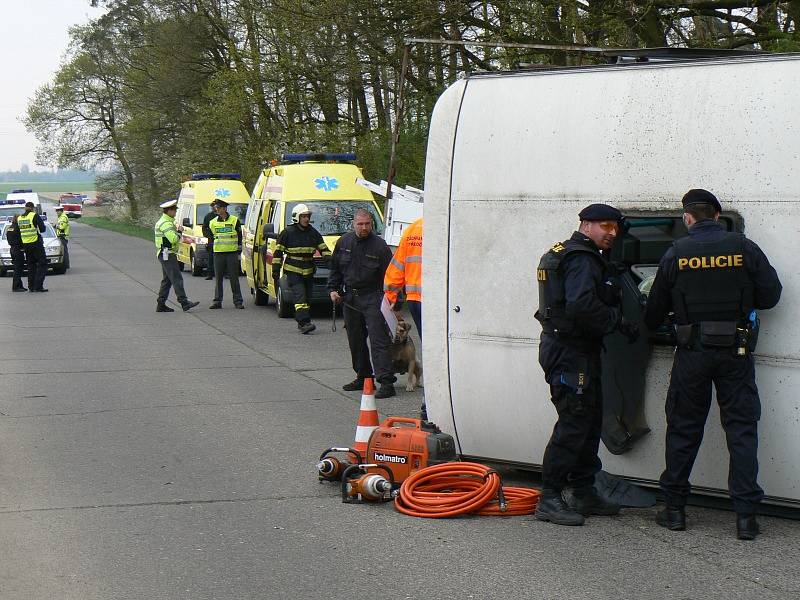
(629, 329)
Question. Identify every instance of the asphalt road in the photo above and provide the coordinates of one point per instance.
(150, 456)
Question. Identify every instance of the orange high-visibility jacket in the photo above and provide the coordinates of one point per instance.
(405, 270)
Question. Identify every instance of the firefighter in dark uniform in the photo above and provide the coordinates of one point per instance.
(295, 250)
(31, 227)
(578, 306)
(713, 281)
(358, 267)
(17, 255)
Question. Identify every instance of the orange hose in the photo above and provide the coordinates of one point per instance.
(459, 488)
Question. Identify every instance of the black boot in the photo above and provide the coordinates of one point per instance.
(189, 306)
(164, 308)
(672, 517)
(307, 328)
(747, 527)
(551, 507)
(587, 501)
(385, 391)
(353, 386)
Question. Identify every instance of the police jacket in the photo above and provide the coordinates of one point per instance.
(38, 225)
(295, 250)
(711, 275)
(576, 298)
(359, 263)
(13, 236)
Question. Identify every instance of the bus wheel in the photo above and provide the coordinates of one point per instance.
(196, 270)
(262, 298)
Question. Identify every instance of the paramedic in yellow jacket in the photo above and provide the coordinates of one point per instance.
(405, 270)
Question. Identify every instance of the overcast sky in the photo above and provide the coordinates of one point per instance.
(33, 38)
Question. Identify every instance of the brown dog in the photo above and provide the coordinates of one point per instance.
(404, 356)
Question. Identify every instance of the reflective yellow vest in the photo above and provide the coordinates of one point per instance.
(165, 229)
(62, 226)
(27, 230)
(225, 236)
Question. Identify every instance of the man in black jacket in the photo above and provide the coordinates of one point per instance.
(578, 307)
(357, 269)
(713, 280)
(212, 214)
(17, 255)
(297, 244)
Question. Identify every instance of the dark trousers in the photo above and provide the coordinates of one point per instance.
(65, 249)
(363, 320)
(301, 287)
(570, 457)
(18, 263)
(210, 267)
(415, 308)
(36, 260)
(687, 406)
(171, 278)
(227, 263)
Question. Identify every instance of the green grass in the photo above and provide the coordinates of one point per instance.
(63, 187)
(119, 227)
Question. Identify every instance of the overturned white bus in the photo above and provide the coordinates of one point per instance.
(513, 157)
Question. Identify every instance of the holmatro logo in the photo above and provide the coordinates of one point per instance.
(391, 458)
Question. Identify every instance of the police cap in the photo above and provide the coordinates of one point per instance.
(30, 205)
(59, 207)
(699, 196)
(600, 212)
(221, 203)
(169, 204)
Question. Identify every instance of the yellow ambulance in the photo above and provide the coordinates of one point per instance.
(324, 182)
(194, 203)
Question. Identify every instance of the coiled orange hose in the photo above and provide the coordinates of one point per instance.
(459, 488)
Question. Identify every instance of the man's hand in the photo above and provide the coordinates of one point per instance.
(276, 276)
(629, 329)
(179, 228)
(335, 297)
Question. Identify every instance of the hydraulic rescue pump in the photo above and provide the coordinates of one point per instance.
(407, 445)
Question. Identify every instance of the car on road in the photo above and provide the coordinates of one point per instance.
(52, 248)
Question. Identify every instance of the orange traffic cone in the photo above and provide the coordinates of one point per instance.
(367, 418)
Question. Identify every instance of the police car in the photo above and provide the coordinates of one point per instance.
(52, 248)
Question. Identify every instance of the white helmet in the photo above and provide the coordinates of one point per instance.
(299, 209)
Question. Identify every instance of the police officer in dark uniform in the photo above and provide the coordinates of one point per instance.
(578, 306)
(712, 280)
(17, 255)
(210, 216)
(358, 266)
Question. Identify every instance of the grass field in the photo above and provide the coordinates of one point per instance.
(47, 186)
(118, 226)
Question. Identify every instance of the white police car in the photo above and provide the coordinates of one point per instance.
(52, 248)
